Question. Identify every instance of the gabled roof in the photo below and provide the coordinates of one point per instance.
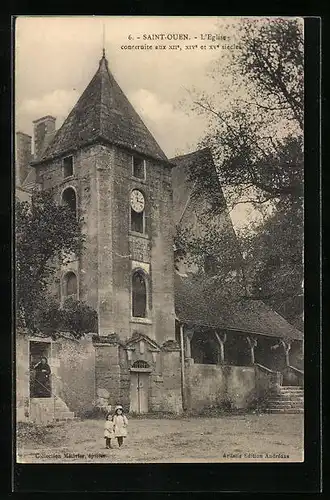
(103, 113)
(195, 181)
(205, 302)
(140, 336)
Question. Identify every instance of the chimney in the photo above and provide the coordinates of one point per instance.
(23, 156)
(44, 130)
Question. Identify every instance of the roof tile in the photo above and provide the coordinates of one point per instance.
(218, 308)
(103, 112)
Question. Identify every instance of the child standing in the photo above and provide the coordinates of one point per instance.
(108, 430)
(120, 423)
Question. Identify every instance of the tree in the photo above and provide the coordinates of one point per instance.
(46, 235)
(256, 138)
(274, 265)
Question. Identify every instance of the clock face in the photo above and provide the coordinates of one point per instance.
(137, 201)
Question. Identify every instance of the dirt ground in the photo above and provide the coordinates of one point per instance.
(256, 438)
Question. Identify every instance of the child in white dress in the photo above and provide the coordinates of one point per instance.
(120, 423)
(108, 430)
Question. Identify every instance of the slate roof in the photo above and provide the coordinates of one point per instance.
(103, 113)
(183, 181)
(201, 301)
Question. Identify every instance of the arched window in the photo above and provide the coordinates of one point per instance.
(70, 288)
(69, 198)
(139, 295)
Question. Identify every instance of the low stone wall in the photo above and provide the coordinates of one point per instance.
(220, 386)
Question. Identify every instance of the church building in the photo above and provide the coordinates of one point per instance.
(165, 341)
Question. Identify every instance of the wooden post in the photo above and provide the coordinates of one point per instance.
(222, 346)
(252, 343)
(183, 375)
(286, 347)
(188, 347)
(188, 336)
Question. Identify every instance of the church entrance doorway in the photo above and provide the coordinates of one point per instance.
(139, 394)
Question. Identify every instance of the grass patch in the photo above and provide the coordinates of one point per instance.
(44, 435)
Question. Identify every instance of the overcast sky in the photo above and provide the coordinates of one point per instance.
(57, 57)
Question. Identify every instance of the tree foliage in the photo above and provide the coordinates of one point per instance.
(47, 234)
(256, 138)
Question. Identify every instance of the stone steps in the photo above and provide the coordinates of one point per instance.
(45, 410)
(290, 399)
(284, 404)
(283, 410)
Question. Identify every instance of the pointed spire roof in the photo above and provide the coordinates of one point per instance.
(103, 114)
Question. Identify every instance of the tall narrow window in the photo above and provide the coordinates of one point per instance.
(138, 167)
(69, 198)
(139, 295)
(70, 289)
(137, 221)
(67, 166)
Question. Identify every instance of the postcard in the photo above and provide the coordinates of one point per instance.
(159, 239)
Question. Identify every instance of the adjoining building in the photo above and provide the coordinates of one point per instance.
(167, 340)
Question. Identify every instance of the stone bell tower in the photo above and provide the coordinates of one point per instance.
(106, 164)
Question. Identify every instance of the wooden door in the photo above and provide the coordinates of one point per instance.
(139, 392)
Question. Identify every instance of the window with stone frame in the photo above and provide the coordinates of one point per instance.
(138, 167)
(137, 221)
(67, 166)
(70, 286)
(139, 295)
(69, 198)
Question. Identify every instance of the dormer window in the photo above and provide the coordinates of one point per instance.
(138, 167)
(68, 166)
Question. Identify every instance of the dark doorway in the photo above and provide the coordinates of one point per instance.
(40, 372)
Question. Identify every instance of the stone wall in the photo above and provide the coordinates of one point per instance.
(240, 386)
(76, 372)
(166, 386)
(219, 386)
(107, 370)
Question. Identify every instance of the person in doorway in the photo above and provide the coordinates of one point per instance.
(108, 430)
(42, 378)
(120, 423)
